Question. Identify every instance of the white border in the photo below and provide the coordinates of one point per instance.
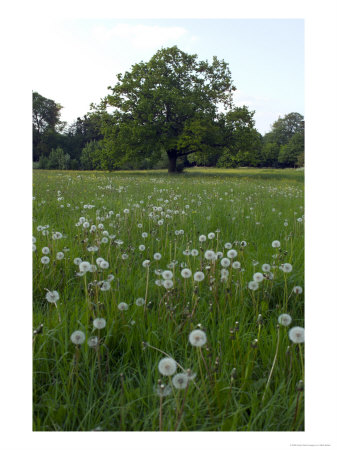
(321, 75)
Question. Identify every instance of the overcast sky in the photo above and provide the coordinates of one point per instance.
(78, 59)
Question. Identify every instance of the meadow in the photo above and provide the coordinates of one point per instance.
(168, 303)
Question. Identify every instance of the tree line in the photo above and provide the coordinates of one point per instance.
(170, 112)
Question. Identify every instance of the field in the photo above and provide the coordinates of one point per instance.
(168, 302)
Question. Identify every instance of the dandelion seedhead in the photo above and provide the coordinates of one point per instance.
(59, 256)
(84, 266)
(232, 253)
(199, 276)
(167, 366)
(297, 290)
(77, 337)
(253, 285)
(99, 323)
(296, 335)
(197, 338)
(210, 255)
(186, 273)
(258, 277)
(180, 380)
(284, 319)
(93, 341)
(105, 286)
(167, 274)
(286, 267)
(140, 301)
(123, 306)
(52, 296)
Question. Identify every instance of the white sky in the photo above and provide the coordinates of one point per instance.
(78, 59)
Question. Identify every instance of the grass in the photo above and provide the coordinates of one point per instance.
(114, 386)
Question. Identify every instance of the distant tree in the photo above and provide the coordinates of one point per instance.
(84, 130)
(226, 160)
(91, 157)
(285, 128)
(46, 120)
(290, 152)
(282, 145)
(43, 162)
(58, 159)
(163, 105)
(240, 138)
(269, 154)
(300, 160)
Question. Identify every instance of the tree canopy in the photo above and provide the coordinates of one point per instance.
(170, 112)
(285, 127)
(284, 144)
(166, 104)
(46, 119)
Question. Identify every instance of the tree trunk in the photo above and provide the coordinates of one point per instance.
(172, 168)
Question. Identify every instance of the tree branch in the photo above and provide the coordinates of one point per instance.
(187, 153)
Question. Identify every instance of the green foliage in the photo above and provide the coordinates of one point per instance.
(58, 159)
(269, 154)
(91, 157)
(285, 142)
(80, 133)
(49, 132)
(226, 160)
(289, 153)
(300, 160)
(243, 142)
(285, 128)
(43, 162)
(46, 123)
(163, 105)
(46, 113)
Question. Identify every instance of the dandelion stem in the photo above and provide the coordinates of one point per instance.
(181, 409)
(302, 361)
(296, 408)
(122, 425)
(285, 300)
(87, 298)
(98, 350)
(203, 382)
(160, 412)
(58, 312)
(274, 362)
(233, 352)
(147, 286)
(228, 396)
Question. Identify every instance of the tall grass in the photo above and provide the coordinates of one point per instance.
(114, 386)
